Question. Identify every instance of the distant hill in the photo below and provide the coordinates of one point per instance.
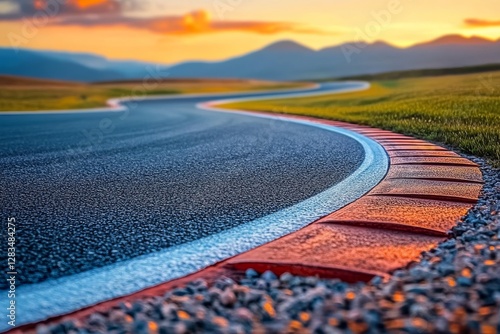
(275, 61)
(288, 60)
(285, 60)
(26, 82)
(179, 81)
(424, 73)
(69, 66)
(456, 39)
(13, 81)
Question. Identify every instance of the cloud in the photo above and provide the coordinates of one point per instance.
(196, 22)
(478, 23)
(268, 27)
(106, 13)
(18, 9)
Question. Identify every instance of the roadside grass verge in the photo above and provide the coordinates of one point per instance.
(461, 111)
(24, 94)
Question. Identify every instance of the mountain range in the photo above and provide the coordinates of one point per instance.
(67, 66)
(284, 60)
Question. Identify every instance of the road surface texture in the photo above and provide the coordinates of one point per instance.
(90, 190)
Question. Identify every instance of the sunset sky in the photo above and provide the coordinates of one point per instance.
(169, 31)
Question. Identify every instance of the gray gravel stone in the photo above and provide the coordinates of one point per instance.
(250, 273)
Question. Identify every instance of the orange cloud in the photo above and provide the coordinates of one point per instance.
(83, 4)
(268, 28)
(28, 8)
(196, 22)
(39, 4)
(93, 6)
(114, 13)
(478, 23)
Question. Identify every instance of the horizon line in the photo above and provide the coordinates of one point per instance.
(378, 41)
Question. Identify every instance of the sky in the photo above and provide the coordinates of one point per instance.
(170, 31)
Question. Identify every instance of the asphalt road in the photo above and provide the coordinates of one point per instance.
(90, 189)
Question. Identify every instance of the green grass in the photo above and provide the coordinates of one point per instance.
(425, 73)
(462, 111)
(59, 98)
(20, 94)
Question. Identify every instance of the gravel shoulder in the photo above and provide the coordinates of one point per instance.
(454, 288)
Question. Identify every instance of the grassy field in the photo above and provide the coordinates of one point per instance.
(462, 111)
(21, 94)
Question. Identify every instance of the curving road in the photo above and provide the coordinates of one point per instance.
(89, 190)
